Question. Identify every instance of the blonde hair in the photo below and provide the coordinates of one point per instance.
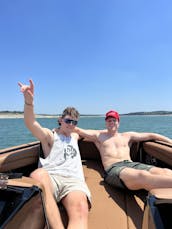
(71, 111)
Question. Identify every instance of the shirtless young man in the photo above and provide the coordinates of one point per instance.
(114, 149)
(60, 171)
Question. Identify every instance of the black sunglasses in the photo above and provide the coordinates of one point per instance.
(70, 121)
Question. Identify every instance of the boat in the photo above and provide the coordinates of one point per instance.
(111, 208)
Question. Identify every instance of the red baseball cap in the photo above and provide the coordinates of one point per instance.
(113, 114)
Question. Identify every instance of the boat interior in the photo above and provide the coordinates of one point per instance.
(111, 207)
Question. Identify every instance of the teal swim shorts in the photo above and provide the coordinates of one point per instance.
(112, 173)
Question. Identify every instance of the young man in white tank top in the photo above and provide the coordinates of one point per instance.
(60, 171)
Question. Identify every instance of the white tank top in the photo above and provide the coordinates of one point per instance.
(64, 158)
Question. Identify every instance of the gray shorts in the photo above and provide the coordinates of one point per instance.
(112, 173)
(64, 185)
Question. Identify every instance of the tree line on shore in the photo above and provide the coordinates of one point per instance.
(131, 113)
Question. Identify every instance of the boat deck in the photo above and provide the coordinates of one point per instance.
(111, 207)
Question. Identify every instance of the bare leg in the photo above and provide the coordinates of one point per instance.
(161, 171)
(140, 179)
(77, 208)
(51, 207)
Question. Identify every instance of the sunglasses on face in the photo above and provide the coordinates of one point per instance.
(70, 121)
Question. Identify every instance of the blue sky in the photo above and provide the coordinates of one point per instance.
(95, 55)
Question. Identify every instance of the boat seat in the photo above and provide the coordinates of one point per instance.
(160, 151)
(25, 182)
(24, 155)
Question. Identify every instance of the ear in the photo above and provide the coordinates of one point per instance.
(59, 121)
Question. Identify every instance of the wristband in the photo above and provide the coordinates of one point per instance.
(28, 104)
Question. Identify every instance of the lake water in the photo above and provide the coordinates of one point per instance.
(13, 131)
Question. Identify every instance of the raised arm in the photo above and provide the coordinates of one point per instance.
(134, 136)
(36, 129)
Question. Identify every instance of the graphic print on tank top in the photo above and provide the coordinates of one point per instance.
(69, 152)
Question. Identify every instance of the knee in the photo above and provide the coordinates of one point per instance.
(167, 171)
(43, 178)
(81, 208)
(84, 207)
(39, 174)
(142, 176)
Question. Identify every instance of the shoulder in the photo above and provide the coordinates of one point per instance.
(131, 135)
(48, 141)
(75, 136)
(127, 134)
(100, 133)
(48, 133)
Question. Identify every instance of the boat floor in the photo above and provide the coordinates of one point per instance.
(111, 207)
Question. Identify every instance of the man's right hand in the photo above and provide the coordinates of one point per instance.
(28, 92)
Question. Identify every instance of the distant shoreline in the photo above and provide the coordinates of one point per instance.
(10, 115)
(6, 115)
